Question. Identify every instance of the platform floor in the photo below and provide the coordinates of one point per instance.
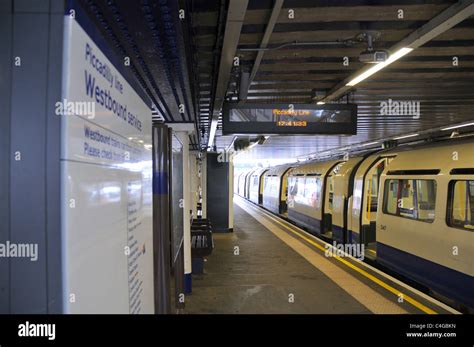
(263, 268)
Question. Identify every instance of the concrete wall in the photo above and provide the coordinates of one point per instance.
(31, 36)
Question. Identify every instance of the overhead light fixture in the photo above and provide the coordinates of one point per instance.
(369, 144)
(457, 126)
(405, 136)
(212, 134)
(320, 103)
(252, 146)
(393, 57)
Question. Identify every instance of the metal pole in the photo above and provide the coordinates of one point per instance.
(161, 223)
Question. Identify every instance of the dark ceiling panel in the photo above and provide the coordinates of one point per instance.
(150, 33)
(176, 61)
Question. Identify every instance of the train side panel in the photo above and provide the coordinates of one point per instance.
(413, 234)
(306, 194)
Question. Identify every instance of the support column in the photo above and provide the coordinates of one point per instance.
(183, 130)
(194, 188)
(204, 184)
(31, 66)
(187, 212)
(161, 227)
(231, 192)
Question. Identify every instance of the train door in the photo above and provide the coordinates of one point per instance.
(261, 187)
(283, 196)
(254, 187)
(328, 202)
(247, 184)
(370, 203)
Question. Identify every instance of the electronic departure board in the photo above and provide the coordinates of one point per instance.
(289, 119)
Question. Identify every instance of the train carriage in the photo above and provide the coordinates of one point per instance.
(308, 198)
(275, 189)
(256, 186)
(362, 205)
(246, 191)
(339, 192)
(425, 218)
(237, 182)
(412, 207)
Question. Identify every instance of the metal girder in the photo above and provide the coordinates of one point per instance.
(447, 19)
(266, 38)
(235, 20)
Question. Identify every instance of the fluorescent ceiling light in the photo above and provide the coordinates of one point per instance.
(212, 133)
(405, 136)
(369, 144)
(252, 145)
(393, 57)
(320, 103)
(457, 126)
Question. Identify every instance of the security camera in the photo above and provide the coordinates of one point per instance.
(373, 57)
(261, 140)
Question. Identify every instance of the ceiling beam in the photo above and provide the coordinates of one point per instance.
(447, 19)
(266, 38)
(233, 27)
(357, 13)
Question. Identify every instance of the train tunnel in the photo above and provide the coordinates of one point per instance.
(238, 160)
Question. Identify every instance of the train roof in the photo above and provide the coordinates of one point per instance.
(258, 171)
(426, 154)
(316, 167)
(444, 156)
(278, 170)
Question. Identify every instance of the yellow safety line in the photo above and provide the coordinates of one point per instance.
(407, 298)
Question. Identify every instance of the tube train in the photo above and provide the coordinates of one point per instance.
(412, 207)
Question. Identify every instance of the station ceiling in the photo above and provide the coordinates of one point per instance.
(296, 73)
(180, 61)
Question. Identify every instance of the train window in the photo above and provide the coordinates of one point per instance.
(461, 204)
(372, 194)
(300, 189)
(410, 198)
(296, 186)
(274, 186)
(293, 183)
(312, 191)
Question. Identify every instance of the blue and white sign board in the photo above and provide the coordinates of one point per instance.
(106, 184)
